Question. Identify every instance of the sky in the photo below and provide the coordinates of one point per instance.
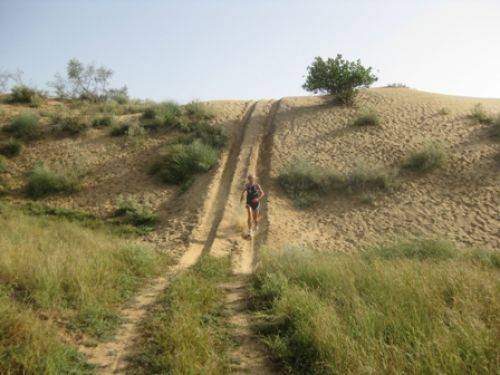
(251, 49)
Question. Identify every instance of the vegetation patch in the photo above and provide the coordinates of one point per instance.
(71, 125)
(43, 182)
(480, 115)
(24, 126)
(10, 148)
(367, 117)
(131, 212)
(24, 94)
(119, 130)
(81, 275)
(306, 183)
(103, 121)
(431, 156)
(180, 162)
(444, 111)
(340, 313)
(185, 332)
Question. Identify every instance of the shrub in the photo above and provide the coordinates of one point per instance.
(444, 111)
(103, 121)
(43, 182)
(198, 111)
(24, 126)
(367, 177)
(367, 117)
(180, 162)
(149, 113)
(338, 77)
(479, 114)
(210, 135)
(429, 157)
(427, 306)
(135, 214)
(119, 130)
(71, 125)
(25, 95)
(10, 148)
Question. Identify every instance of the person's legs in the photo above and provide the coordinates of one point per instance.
(249, 217)
(256, 217)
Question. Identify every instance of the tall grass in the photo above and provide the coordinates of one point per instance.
(10, 148)
(77, 276)
(185, 332)
(414, 307)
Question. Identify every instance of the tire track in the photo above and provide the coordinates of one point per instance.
(111, 357)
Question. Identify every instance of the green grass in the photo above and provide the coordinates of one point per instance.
(414, 307)
(131, 212)
(479, 114)
(119, 130)
(367, 117)
(180, 162)
(10, 148)
(71, 125)
(103, 121)
(197, 111)
(53, 267)
(185, 332)
(306, 183)
(43, 182)
(24, 126)
(3, 164)
(431, 156)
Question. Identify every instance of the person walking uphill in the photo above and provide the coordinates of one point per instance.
(254, 194)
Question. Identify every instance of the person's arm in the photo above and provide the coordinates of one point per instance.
(261, 193)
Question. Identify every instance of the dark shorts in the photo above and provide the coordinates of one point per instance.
(255, 206)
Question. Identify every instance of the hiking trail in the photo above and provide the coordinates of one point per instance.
(219, 233)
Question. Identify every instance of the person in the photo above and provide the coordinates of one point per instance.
(254, 194)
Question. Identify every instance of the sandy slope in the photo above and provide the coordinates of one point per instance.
(459, 203)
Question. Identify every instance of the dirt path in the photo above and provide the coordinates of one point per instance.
(219, 233)
(249, 354)
(111, 357)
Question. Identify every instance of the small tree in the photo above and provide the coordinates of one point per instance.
(338, 77)
(86, 82)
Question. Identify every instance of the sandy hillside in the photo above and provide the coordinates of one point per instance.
(118, 167)
(459, 202)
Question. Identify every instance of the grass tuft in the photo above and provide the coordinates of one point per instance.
(367, 117)
(479, 114)
(135, 214)
(431, 156)
(180, 162)
(10, 148)
(43, 182)
(24, 126)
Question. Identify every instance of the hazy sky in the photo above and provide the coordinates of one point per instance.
(239, 49)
